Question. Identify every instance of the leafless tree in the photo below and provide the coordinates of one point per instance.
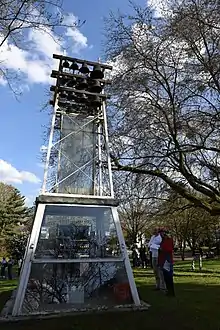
(139, 197)
(18, 16)
(190, 226)
(165, 104)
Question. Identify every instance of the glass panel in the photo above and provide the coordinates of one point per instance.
(73, 232)
(77, 152)
(54, 287)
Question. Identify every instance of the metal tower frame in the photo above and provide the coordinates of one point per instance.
(100, 176)
(100, 119)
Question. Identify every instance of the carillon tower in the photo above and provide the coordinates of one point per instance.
(76, 256)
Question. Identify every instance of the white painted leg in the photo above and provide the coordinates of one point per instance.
(128, 268)
(31, 247)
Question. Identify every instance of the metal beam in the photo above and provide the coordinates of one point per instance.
(70, 89)
(79, 260)
(73, 59)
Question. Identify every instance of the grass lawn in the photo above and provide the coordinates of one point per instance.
(196, 306)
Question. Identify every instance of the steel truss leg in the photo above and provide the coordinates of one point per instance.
(128, 268)
(30, 252)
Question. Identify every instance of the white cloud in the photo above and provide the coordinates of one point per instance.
(35, 62)
(28, 64)
(79, 40)
(9, 174)
(45, 41)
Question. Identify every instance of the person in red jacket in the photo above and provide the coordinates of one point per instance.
(165, 260)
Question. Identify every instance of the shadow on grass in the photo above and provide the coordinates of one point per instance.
(7, 285)
(196, 307)
(203, 271)
(196, 275)
(147, 275)
(180, 272)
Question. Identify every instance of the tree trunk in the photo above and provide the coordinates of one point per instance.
(182, 248)
(183, 254)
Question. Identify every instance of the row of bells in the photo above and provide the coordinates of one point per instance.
(92, 85)
(96, 73)
(81, 98)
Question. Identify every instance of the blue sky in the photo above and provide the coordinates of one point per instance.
(21, 132)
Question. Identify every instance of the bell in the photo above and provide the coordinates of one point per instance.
(61, 104)
(66, 64)
(84, 68)
(97, 72)
(90, 112)
(69, 110)
(63, 81)
(71, 96)
(96, 87)
(63, 95)
(82, 84)
(71, 82)
(74, 66)
(96, 102)
(81, 98)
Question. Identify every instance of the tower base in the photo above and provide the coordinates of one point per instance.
(75, 259)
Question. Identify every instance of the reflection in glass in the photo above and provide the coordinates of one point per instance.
(62, 286)
(73, 232)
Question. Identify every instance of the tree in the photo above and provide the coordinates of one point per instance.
(190, 226)
(164, 110)
(15, 245)
(19, 16)
(13, 212)
(136, 195)
(173, 213)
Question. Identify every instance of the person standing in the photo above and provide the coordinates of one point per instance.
(154, 246)
(10, 265)
(3, 267)
(143, 257)
(135, 256)
(166, 261)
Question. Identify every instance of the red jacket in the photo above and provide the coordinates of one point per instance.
(166, 251)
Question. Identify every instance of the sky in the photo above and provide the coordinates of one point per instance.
(22, 119)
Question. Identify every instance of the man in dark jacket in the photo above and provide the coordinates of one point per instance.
(166, 261)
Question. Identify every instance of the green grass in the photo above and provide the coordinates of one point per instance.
(196, 306)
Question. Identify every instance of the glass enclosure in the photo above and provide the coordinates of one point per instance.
(78, 263)
(77, 232)
(62, 286)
